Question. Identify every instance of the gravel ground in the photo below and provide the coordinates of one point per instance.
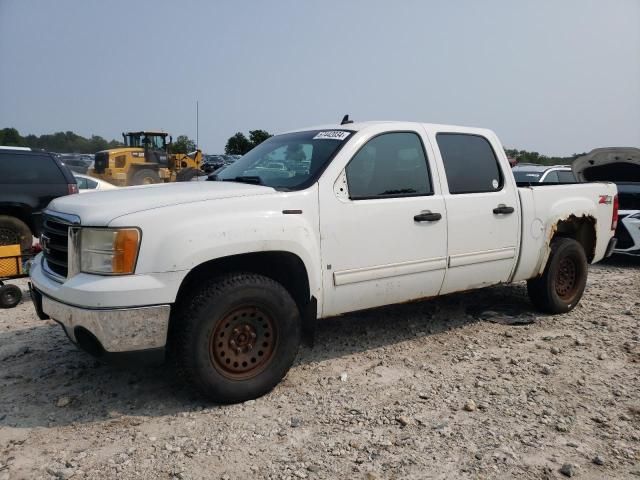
(473, 385)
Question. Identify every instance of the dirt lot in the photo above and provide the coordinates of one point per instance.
(438, 389)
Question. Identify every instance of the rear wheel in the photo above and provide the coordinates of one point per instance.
(145, 176)
(560, 287)
(237, 337)
(15, 231)
(10, 296)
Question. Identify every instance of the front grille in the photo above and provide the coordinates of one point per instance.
(54, 244)
(622, 234)
(101, 162)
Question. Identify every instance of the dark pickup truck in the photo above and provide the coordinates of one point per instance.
(29, 180)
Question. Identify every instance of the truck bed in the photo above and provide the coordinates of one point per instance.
(544, 206)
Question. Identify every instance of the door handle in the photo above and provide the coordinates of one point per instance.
(502, 209)
(427, 217)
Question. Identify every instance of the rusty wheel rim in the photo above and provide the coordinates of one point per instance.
(243, 342)
(566, 278)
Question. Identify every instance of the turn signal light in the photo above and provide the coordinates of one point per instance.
(125, 251)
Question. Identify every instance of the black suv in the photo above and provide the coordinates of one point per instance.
(28, 182)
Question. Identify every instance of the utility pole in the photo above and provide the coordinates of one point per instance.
(197, 125)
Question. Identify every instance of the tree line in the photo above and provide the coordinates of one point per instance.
(61, 142)
(523, 156)
(237, 144)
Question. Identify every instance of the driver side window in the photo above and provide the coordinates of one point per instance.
(388, 166)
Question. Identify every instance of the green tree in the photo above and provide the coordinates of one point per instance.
(183, 144)
(10, 137)
(256, 137)
(238, 144)
(524, 156)
(62, 142)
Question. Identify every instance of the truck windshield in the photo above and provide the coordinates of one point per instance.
(287, 162)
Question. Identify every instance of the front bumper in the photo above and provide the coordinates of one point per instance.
(115, 330)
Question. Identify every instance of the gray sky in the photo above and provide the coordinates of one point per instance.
(553, 76)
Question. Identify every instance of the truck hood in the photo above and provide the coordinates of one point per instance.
(613, 164)
(100, 208)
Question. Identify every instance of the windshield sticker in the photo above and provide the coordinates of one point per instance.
(331, 135)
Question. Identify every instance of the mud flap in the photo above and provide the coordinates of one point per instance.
(309, 320)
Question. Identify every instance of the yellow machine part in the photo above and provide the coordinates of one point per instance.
(123, 160)
(10, 267)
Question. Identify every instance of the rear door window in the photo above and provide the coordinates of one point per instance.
(29, 169)
(470, 163)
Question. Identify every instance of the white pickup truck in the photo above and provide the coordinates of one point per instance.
(228, 275)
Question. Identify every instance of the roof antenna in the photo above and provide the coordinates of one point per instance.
(345, 120)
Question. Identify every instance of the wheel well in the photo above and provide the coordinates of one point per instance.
(284, 267)
(21, 214)
(582, 229)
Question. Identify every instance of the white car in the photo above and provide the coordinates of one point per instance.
(90, 184)
(231, 274)
(534, 173)
(620, 165)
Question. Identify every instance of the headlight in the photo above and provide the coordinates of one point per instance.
(635, 215)
(109, 251)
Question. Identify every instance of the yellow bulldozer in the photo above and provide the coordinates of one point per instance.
(145, 159)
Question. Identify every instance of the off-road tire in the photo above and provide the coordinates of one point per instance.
(209, 333)
(186, 174)
(10, 296)
(561, 285)
(13, 231)
(145, 176)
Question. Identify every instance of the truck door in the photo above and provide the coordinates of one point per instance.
(383, 225)
(482, 209)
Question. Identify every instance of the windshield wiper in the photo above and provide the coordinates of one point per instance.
(252, 179)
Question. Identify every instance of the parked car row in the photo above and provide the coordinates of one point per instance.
(30, 179)
(76, 162)
(211, 163)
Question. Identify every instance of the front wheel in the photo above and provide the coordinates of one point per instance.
(236, 337)
(145, 176)
(561, 285)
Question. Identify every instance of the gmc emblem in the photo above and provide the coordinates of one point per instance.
(44, 243)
